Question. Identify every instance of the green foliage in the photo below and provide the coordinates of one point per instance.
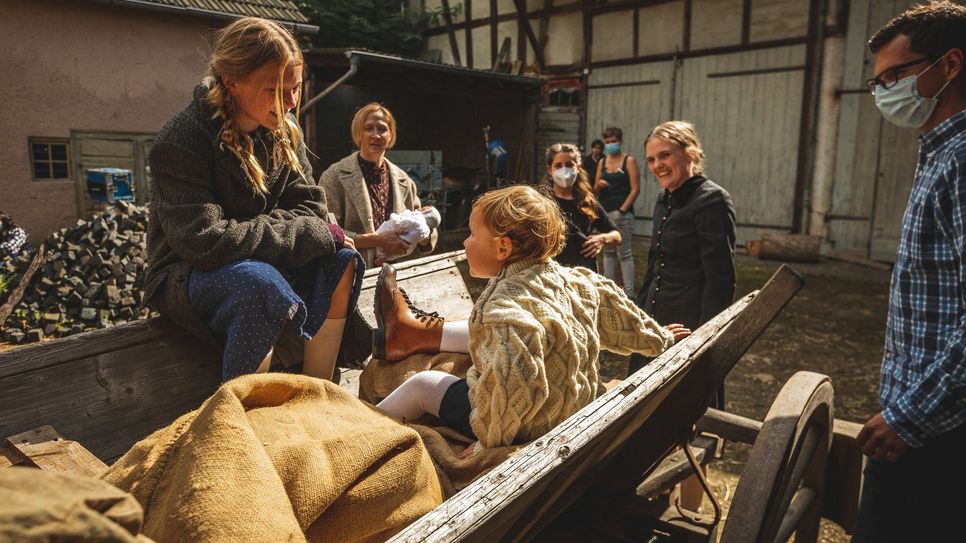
(387, 26)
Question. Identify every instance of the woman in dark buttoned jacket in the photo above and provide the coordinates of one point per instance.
(690, 274)
(238, 242)
(364, 188)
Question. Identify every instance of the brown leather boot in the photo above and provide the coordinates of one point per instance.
(402, 329)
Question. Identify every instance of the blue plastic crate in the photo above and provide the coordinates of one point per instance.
(110, 185)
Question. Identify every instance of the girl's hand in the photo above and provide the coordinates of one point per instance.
(600, 185)
(468, 451)
(592, 247)
(392, 244)
(678, 331)
(349, 244)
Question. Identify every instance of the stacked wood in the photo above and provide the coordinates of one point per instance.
(786, 247)
(91, 278)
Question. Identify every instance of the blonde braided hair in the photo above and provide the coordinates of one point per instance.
(240, 49)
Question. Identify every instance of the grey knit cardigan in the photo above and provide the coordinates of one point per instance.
(204, 213)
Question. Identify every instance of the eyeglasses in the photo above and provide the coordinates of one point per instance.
(891, 75)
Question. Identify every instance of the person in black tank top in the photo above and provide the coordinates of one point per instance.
(617, 185)
(589, 229)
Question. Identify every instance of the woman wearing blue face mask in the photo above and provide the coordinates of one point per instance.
(617, 185)
(589, 228)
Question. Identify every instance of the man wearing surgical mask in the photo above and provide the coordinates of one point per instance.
(589, 228)
(912, 475)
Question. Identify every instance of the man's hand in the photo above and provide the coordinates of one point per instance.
(349, 244)
(678, 331)
(881, 442)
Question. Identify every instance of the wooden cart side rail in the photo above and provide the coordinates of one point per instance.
(109, 388)
(524, 493)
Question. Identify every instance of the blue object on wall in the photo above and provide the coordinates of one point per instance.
(110, 185)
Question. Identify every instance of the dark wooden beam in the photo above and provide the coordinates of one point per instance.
(686, 40)
(809, 117)
(745, 22)
(637, 31)
(468, 6)
(588, 21)
(700, 52)
(448, 19)
(493, 32)
(524, 22)
(544, 25)
(556, 10)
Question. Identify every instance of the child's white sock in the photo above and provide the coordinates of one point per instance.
(420, 394)
(456, 337)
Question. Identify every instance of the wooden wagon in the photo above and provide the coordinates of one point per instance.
(109, 388)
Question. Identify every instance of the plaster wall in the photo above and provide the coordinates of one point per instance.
(87, 67)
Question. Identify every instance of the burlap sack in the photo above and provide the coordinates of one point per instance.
(444, 444)
(38, 505)
(279, 457)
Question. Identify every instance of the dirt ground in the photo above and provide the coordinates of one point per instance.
(835, 325)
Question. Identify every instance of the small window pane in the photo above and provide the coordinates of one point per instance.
(59, 170)
(58, 152)
(42, 170)
(40, 151)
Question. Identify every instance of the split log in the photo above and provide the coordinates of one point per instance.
(790, 247)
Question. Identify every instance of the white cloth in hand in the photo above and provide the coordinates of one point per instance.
(413, 226)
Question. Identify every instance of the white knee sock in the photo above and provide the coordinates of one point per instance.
(456, 337)
(322, 350)
(420, 394)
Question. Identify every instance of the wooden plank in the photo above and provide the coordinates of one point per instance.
(843, 483)
(675, 467)
(110, 400)
(88, 344)
(10, 457)
(49, 451)
(729, 426)
(528, 490)
(17, 293)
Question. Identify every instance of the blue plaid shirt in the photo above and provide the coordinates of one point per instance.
(923, 389)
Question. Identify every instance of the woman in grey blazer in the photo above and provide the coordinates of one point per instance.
(364, 188)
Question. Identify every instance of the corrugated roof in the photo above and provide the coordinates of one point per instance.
(283, 11)
(279, 10)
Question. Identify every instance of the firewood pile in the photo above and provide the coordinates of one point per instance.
(91, 278)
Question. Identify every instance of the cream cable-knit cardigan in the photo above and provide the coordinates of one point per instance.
(535, 336)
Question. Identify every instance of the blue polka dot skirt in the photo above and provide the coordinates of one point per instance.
(246, 304)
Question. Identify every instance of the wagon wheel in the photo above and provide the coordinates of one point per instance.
(781, 485)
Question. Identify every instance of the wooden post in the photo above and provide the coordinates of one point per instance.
(448, 19)
(524, 22)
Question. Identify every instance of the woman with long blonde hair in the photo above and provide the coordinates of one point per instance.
(238, 240)
(589, 228)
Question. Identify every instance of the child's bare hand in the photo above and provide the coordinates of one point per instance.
(678, 331)
(468, 451)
